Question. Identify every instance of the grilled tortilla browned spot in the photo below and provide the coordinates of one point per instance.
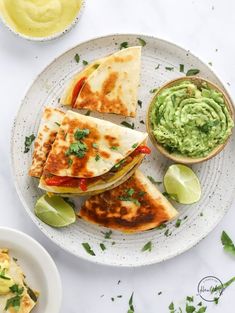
(101, 101)
(134, 206)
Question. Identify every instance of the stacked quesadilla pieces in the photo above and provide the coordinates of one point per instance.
(86, 155)
(80, 155)
(108, 85)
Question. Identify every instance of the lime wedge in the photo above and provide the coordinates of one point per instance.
(183, 184)
(54, 211)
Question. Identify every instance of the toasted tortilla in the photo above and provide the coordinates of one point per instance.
(66, 98)
(110, 142)
(101, 184)
(29, 297)
(112, 87)
(47, 132)
(134, 206)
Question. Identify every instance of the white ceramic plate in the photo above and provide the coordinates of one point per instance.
(39, 268)
(215, 175)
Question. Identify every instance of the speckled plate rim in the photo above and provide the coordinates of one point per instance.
(51, 37)
(33, 217)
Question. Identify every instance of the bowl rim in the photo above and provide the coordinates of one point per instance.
(178, 157)
(50, 37)
(29, 245)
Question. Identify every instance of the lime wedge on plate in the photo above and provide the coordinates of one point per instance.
(54, 211)
(183, 184)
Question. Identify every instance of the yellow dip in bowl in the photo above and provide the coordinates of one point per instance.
(40, 18)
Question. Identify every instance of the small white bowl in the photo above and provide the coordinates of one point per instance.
(38, 266)
(51, 37)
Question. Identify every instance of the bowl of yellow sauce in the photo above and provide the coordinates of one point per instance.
(40, 20)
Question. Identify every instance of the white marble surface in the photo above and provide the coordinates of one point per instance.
(200, 26)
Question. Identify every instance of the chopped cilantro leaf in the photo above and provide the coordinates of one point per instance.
(142, 42)
(16, 289)
(58, 124)
(107, 235)
(142, 122)
(13, 302)
(135, 145)
(227, 243)
(216, 300)
(153, 90)
(81, 133)
(141, 193)
(181, 68)
(84, 62)
(130, 192)
(124, 45)
(78, 149)
(189, 299)
(102, 246)
(128, 198)
(97, 157)
(167, 233)
(192, 72)
(162, 226)
(168, 68)
(157, 67)
(114, 148)
(205, 128)
(154, 181)
(178, 223)
(131, 307)
(190, 308)
(77, 58)
(170, 195)
(28, 142)
(70, 162)
(139, 103)
(147, 247)
(88, 249)
(171, 306)
(126, 124)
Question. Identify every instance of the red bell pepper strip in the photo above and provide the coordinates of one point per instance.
(67, 182)
(76, 90)
(83, 184)
(141, 149)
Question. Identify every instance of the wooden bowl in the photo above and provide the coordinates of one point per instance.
(178, 157)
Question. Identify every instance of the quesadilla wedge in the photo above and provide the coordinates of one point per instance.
(90, 155)
(15, 295)
(134, 206)
(47, 132)
(108, 85)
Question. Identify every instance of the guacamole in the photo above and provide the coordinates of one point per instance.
(189, 120)
(42, 18)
